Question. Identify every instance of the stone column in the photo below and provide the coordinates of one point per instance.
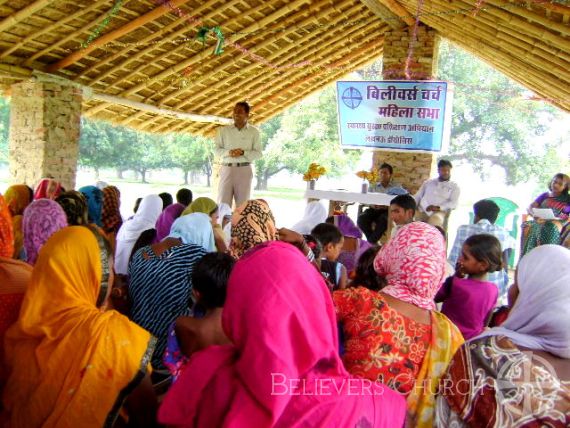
(44, 132)
(410, 169)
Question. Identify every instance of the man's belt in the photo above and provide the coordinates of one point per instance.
(237, 164)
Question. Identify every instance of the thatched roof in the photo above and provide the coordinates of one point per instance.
(276, 52)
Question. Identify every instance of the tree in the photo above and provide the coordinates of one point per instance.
(307, 132)
(494, 122)
(191, 154)
(96, 145)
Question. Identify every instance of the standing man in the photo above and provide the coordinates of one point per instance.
(438, 196)
(237, 146)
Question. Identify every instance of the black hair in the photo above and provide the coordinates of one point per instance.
(166, 199)
(486, 248)
(365, 275)
(31, 192)
(486, 209)
(137, 204)
(314, 245)
(145, 238)
(327, 233)
(184, 196)
(564, 179)
(388, 167)
(407, 202)
(245, 106)
(444, 162)
(210, 278)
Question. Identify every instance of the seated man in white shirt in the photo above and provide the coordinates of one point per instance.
(486, 213)
(437, 196)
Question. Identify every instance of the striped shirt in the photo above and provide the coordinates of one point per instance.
(159, 289)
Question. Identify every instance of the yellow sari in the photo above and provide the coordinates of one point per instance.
(445, 340)
(70, 364)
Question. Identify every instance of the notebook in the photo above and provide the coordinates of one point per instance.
(544, 213)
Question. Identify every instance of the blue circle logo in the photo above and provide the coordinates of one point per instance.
(351, 97)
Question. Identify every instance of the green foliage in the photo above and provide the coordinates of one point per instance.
(493, 122)
(305, 133)
(190, 153)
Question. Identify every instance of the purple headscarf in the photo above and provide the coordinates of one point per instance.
(347, 226)
(42, 218)
(165, 220)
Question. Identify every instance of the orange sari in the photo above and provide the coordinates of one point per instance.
(6, 230)
(70, 364)
(18, 197)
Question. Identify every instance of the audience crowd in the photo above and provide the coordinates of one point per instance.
(187, 314)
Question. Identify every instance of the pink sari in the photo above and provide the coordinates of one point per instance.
(283, 368)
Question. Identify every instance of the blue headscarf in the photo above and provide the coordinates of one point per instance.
(94, 198)
(195, 228)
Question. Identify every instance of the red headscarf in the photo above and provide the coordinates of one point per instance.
(413, 263)
(283, 368)
(47, 188)
(111, 214)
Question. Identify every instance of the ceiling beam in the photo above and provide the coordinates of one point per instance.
(391, 12)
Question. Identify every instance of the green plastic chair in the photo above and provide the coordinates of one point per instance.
(507, 207)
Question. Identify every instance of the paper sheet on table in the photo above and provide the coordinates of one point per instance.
(544, 213)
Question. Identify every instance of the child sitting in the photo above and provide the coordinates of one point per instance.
(191, 334)
(468, 302)
(331, 240)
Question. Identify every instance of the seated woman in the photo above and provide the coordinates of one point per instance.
(160, 277)
(71, 364)
(539, 232)
(42, 218)
(111, 213)
(208, 206)
(47, 188)
(18, 197)
(394, 335)
(75, 206)
(518, 374)
(252, 224)
(354, 245)
(144, 219)
(94, 197)
(315, 213)
(282, 367)
(14, 278)
(191, 334)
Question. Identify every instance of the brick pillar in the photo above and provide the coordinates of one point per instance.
(44, 132)
(410, 169)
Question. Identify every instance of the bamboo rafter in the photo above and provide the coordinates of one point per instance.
(314, 16)
(328, 47)
(137, 56)
(168, 53)
(26, 12)
(51, 28)
(300, 95)
(114, 35)
(204, 54)
(29, 62)
(345, 54)
(250, 67)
